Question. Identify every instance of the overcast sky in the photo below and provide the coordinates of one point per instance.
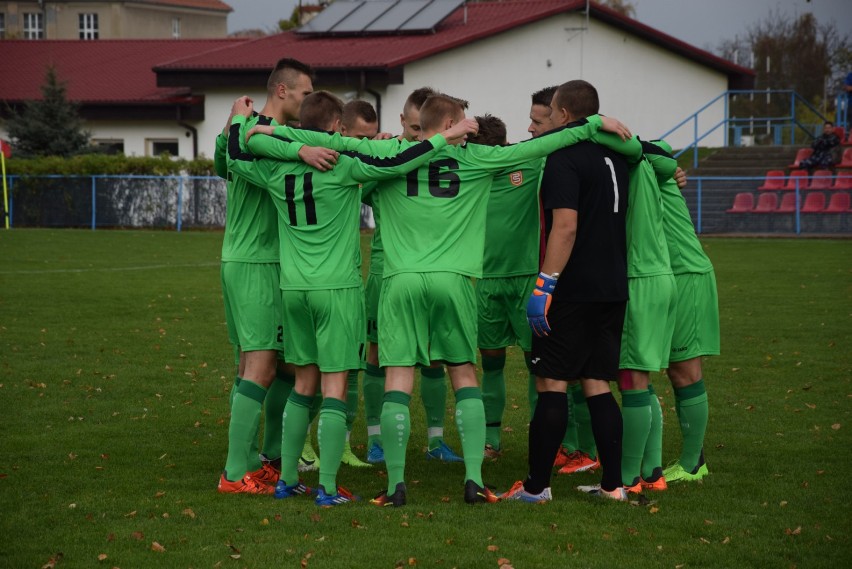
(703, 23)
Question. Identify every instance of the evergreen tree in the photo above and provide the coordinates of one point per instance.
(51, 126)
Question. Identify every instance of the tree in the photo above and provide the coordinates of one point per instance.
(51, 126)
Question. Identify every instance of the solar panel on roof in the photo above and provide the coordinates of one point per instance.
(351, 17)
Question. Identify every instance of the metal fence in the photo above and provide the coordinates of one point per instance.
(182, 202)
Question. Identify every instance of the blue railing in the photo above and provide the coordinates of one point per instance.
(735, 125)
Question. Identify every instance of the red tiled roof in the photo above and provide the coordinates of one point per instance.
(117, 71)
(201, 4)
(483, 19)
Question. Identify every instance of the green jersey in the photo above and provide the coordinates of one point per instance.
(319, 212)
(251, 222)
(685, 251)
(647, 251)
(370, 197)
(512, 232)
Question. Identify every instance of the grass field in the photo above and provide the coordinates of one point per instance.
(113, 399)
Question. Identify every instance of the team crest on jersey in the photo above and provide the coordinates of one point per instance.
(516, 178)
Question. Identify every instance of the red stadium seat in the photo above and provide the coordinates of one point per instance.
(846, 161)
(821, 180)
(801, 154)
(843, 181)
(801, 176)
(743, 203)
(814, 203)
(840, 132)
(839, 203)
(774, 180)
(788, 204)
(767, 203)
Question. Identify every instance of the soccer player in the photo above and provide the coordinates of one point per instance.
(577, 453)
(359, 120)
(510, 263)
(249, 274)
(577, 308)
(649, 319)
(320, 277)
(696, 332)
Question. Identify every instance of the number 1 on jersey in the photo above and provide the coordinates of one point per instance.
(614, 184)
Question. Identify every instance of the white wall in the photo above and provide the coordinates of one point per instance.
(645, 86)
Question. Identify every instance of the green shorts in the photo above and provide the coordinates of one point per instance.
(696, 331)
(502, 308)
(371, 305)
(648, 323)
(325, 327)
(253, 310)
(425, 317)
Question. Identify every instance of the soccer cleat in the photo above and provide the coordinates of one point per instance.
(246, 485)
(343, 496)
(309, 460)
(657, 485)
(376, 454)
(282, 490)
(677, 473)
(350, 459)
(492, 453)
(635, 489)
(578, 461)
(267, 474)
(397, 499)
(443, 453)
(619, 494)
(519, 493)
(561, 457)
(475, 494)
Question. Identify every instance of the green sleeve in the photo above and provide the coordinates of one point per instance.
(367, 168)
(496, 158)
(269, 146)
(334, 141)
(242, 163)
(368, 193)
(661, 161)
(220, 158)
(631, 148)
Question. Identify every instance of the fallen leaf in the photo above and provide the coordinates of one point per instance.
(233, 548)
(235, 556)
(492, 548)
(445, 499)
(137, 535)
(783, 503)
(264, 522)
(51, 563)
(727, 540)
(111, 537)
(810, 405)
(506, 566)
(315, 517)
(159, 494)
(356, 524)
(72, 456)
(102, 557)
(836, 426)
(155, 546)
(503, 561)
(72, 506)
(708, 522)
(404, 524)
(653, 509)
(553, 527)
(703, 540)
(190, 513)
(632, 531)
(412, 561)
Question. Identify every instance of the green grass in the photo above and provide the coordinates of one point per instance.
(113, 397)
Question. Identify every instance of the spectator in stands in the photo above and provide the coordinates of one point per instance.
(823, 145)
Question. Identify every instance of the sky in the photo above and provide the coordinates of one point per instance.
(703, 23)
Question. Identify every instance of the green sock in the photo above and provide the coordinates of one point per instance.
(315, 408)
(532, 390)
(571, 442)
(636, 413)
(293, 428)
(585, 437)
(653, 457)
(493, 397)
(470, 420)
(351, 398)
(396, 428)
(237, 380)
(331, 435)
(276, 398)
(433, 391)
(374, 390)
(694, 413)
(245, 418)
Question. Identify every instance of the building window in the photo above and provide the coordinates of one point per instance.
(109, 145)
(33, 26)
(88, 26)
(2, 26)
(161, 146)
(176, 28)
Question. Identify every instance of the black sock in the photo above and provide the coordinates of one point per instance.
(608, 428)
(546, 431)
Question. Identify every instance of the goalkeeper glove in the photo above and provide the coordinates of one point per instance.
(539, 303)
